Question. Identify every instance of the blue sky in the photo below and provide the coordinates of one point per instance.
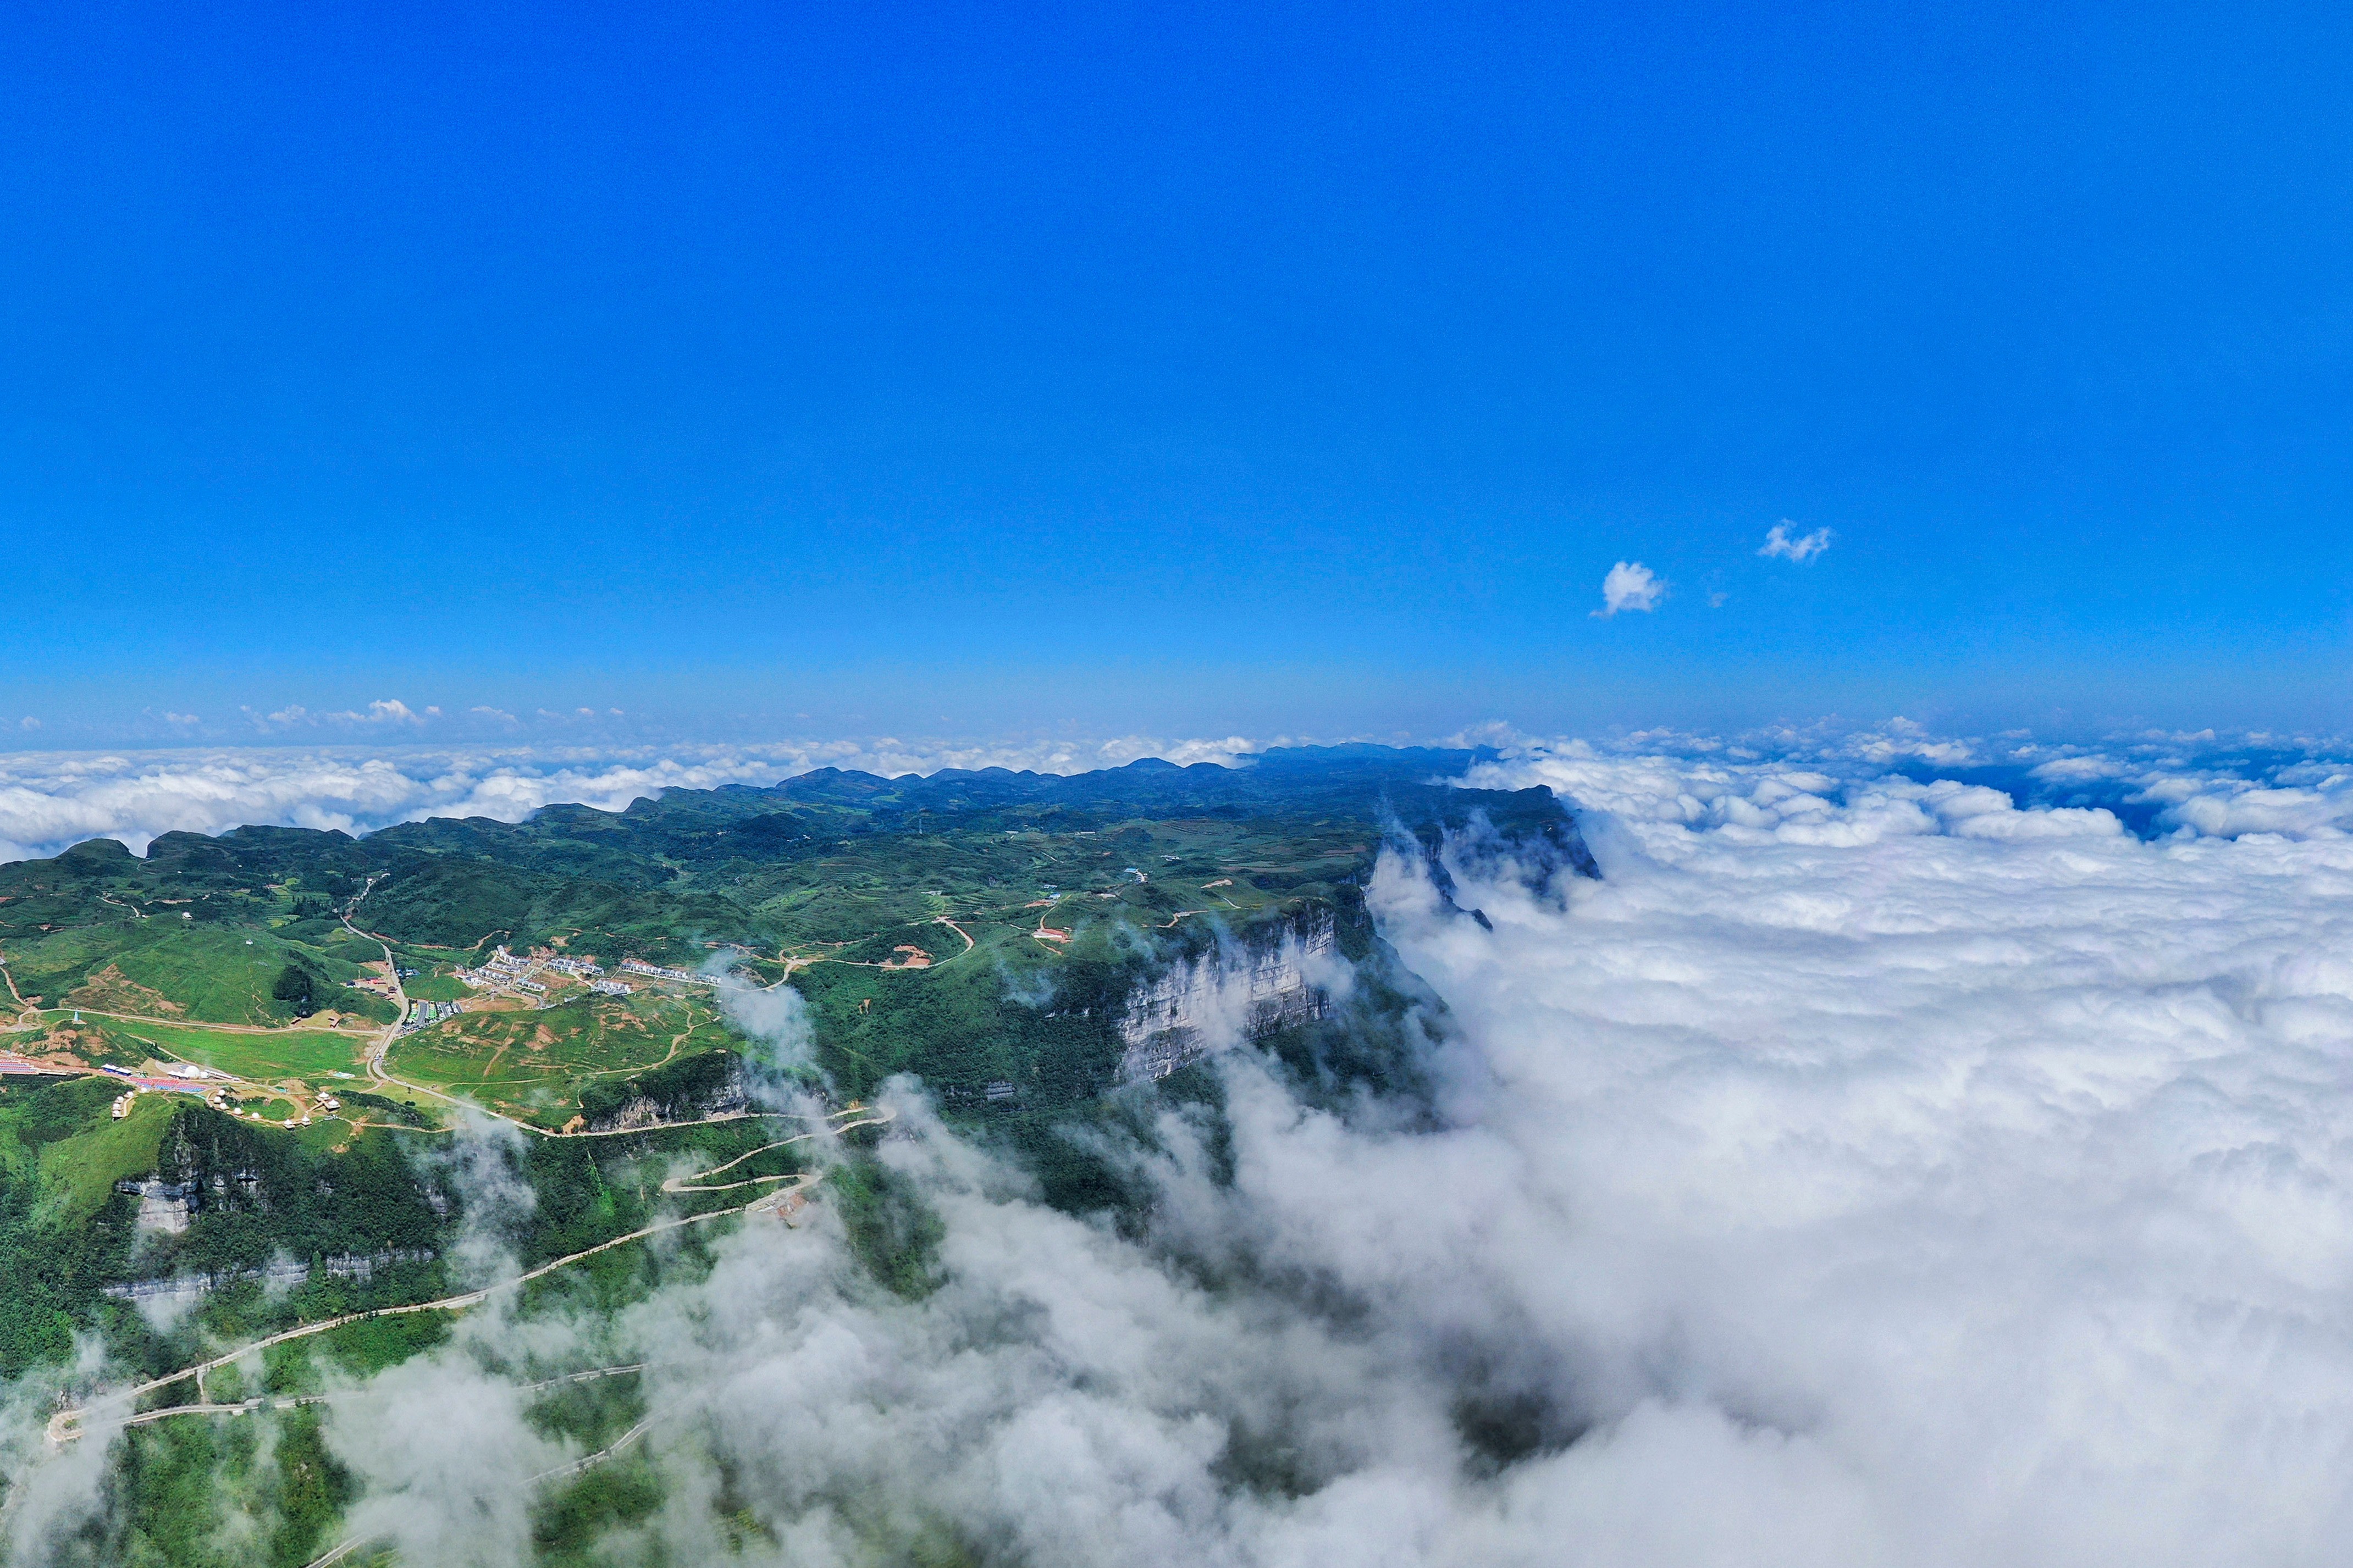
(770, 369)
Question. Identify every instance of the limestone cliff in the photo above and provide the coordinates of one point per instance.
(1239, 992)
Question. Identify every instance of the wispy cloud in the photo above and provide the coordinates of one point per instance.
(1631, 585)
(384, 711)
(1805, 547)
(381, 713)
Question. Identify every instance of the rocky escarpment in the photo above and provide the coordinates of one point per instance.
(281, 1273)
(196, 1172)
(693, 1089)
(1234, 993)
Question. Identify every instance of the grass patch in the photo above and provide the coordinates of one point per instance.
(79, 1171)
(534, 1063)
(263, 1057)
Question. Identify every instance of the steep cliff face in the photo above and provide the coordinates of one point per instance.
(689, 1089)
(1241, 992)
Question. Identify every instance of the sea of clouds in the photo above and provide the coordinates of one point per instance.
(2201, 783)
(1868, 1169)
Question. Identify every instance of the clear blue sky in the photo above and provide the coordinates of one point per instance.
(1187, 370)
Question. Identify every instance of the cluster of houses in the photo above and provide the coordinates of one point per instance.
(655, 971)
(505, 971)
(424, 1014)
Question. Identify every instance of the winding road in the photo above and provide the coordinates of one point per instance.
(70, 1424)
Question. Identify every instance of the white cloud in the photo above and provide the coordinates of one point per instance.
(500, 714)
(1631, 585)
(381, 712)
(1995, 1175)
(377, 714)
(30, 723)
(2201, 783)
(1803, 548)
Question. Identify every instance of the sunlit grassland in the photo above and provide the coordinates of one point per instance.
(211, 974)
(77, 1172)
(533, 1063)
(300, 1053)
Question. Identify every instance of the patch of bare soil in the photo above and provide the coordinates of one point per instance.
(112, 990)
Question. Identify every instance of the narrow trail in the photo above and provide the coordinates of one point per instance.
(27, 1016)
(687, 1183)
(150, 1020)
(296, 1401)
(343, 1549)
(391, 1031)
(67, 1424)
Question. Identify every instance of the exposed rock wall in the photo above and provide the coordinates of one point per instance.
(690, 1091)
(281, 1273)
(167, 1207)
(1225, 995)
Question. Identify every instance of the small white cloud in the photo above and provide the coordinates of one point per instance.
(615, 712)
(1717, 600)
(588, 712)
(1803, 548)
(1631, 585)
(393, 713)
(30, 723)
(182, 720)
(500, 714)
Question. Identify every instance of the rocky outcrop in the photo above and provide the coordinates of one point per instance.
(164, 1207)
(1231, 993)
(283, 1274)
(693, 1089)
